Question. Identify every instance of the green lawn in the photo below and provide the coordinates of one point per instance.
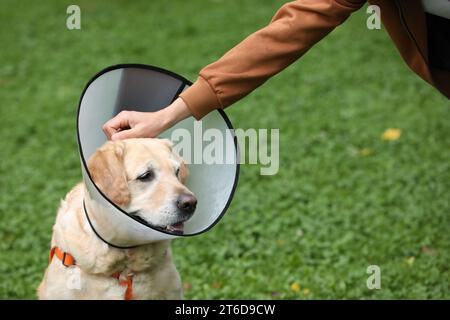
(343, 199)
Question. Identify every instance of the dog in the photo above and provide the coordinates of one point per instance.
(144, 177)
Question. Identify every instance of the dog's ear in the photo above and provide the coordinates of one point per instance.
(108, 172)
(184, 171)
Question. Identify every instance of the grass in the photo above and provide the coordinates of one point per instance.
(343, 199)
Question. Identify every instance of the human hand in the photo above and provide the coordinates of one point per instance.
(133, 124)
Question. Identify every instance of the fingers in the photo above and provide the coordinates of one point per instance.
(126, 134)
(116, 124)
(108, 131)
(132, 124)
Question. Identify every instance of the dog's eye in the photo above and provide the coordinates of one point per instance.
(147, 176)
(177, 172)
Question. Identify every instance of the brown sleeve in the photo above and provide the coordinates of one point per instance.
(295, 28)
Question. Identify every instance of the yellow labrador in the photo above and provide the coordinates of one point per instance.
(142, 176)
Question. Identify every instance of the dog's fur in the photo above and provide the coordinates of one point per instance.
(116, 168)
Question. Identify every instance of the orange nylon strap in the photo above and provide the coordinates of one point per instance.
(128, 282)
(68, 260)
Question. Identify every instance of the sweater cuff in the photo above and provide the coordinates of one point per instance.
(200, 98)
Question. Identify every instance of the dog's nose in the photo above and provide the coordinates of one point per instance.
(186, 203)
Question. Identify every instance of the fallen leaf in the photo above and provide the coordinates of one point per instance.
(429, 251)
(275, 294)
(410, 261)
(391, 134)
(295, 286)
(187, 286)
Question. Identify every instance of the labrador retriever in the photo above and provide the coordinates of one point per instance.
(145, 178)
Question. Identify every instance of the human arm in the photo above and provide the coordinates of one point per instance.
(294, 29)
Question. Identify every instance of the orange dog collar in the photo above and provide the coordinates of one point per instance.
(68, 260)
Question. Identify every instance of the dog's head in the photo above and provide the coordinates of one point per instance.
(145, 178)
